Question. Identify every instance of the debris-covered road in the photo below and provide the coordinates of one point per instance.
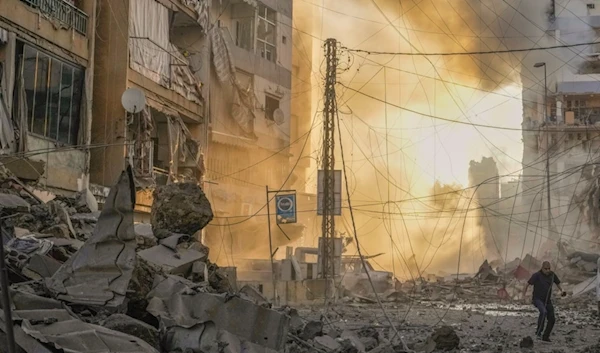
(483, 328)
(85, 281)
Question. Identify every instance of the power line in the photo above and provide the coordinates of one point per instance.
(374, 52)
(438, 117)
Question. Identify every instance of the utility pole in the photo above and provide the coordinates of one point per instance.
(547, 121)
(329, 115)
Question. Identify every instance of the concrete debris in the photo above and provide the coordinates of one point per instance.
(591, 349)
(62, 331)
(327, 343)
(133, 327)
(100, 281)
(86, 201)
(99, 272)
(176, 301)
(13, 203)
(251, 293)
(130, 279)
(526, 342)
(172, 261)
(180, 208)
(445, 338)
(354, 341)
(486, 272)
(311, 330)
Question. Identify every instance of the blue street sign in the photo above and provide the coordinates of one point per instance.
(285, 208)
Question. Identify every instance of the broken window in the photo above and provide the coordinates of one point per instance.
(266, 33)
(53, 90)
(244, 33)
(271, 104)
(260, 23)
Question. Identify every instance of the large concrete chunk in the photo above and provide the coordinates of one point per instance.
(99, 272)
(173, 262)
(180, 208)
(175, 303)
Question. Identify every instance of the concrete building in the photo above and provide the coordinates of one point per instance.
(250, 122)
(566, 130)
(485, 178)
(46, 75)
(160, 47)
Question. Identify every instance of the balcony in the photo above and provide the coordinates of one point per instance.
(63, 12)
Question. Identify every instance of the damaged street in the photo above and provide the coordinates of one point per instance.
(299, 176)
(105, 284)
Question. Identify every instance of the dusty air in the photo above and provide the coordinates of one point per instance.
(299, 176)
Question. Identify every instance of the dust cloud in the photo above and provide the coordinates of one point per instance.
(398, 158)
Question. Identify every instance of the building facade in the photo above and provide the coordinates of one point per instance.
(161, 48)
(46, 90)
(561, 125)
(250, 122)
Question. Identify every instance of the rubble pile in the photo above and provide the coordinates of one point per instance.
(84, 281)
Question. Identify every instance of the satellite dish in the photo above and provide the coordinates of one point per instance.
(278, 116)
(133, 100)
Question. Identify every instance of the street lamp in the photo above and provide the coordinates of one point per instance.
(538, 65)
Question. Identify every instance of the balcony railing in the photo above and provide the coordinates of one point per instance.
(63, 12)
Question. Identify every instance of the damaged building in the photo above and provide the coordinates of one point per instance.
(565, 129)
(485, 178)
(159, 48)
(251, 124)
(46, 74)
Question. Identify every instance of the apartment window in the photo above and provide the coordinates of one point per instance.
(244, 33)
(591, 6)
(271, 104)
(265, 34)
(53, 90)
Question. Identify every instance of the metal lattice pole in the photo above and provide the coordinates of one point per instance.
(329, 113)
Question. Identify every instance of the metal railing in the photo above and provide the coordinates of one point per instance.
(63, 12)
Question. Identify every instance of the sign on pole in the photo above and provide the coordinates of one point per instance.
(337, 192)
(285, 208)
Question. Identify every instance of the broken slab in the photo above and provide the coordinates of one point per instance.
(59, 329)
(173, 262)
(252, 294)
(176, 302)
(180, 208)
(173, 240)
(133, 327)
(23, 300)
(207, 338)
(41, 265)
(587, 257)
(99, 272)
(327, 343)
(585, 286)
(13, 203)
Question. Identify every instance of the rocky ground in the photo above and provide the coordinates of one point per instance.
(486, 328)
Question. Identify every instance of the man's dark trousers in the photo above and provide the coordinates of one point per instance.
(546, 312)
